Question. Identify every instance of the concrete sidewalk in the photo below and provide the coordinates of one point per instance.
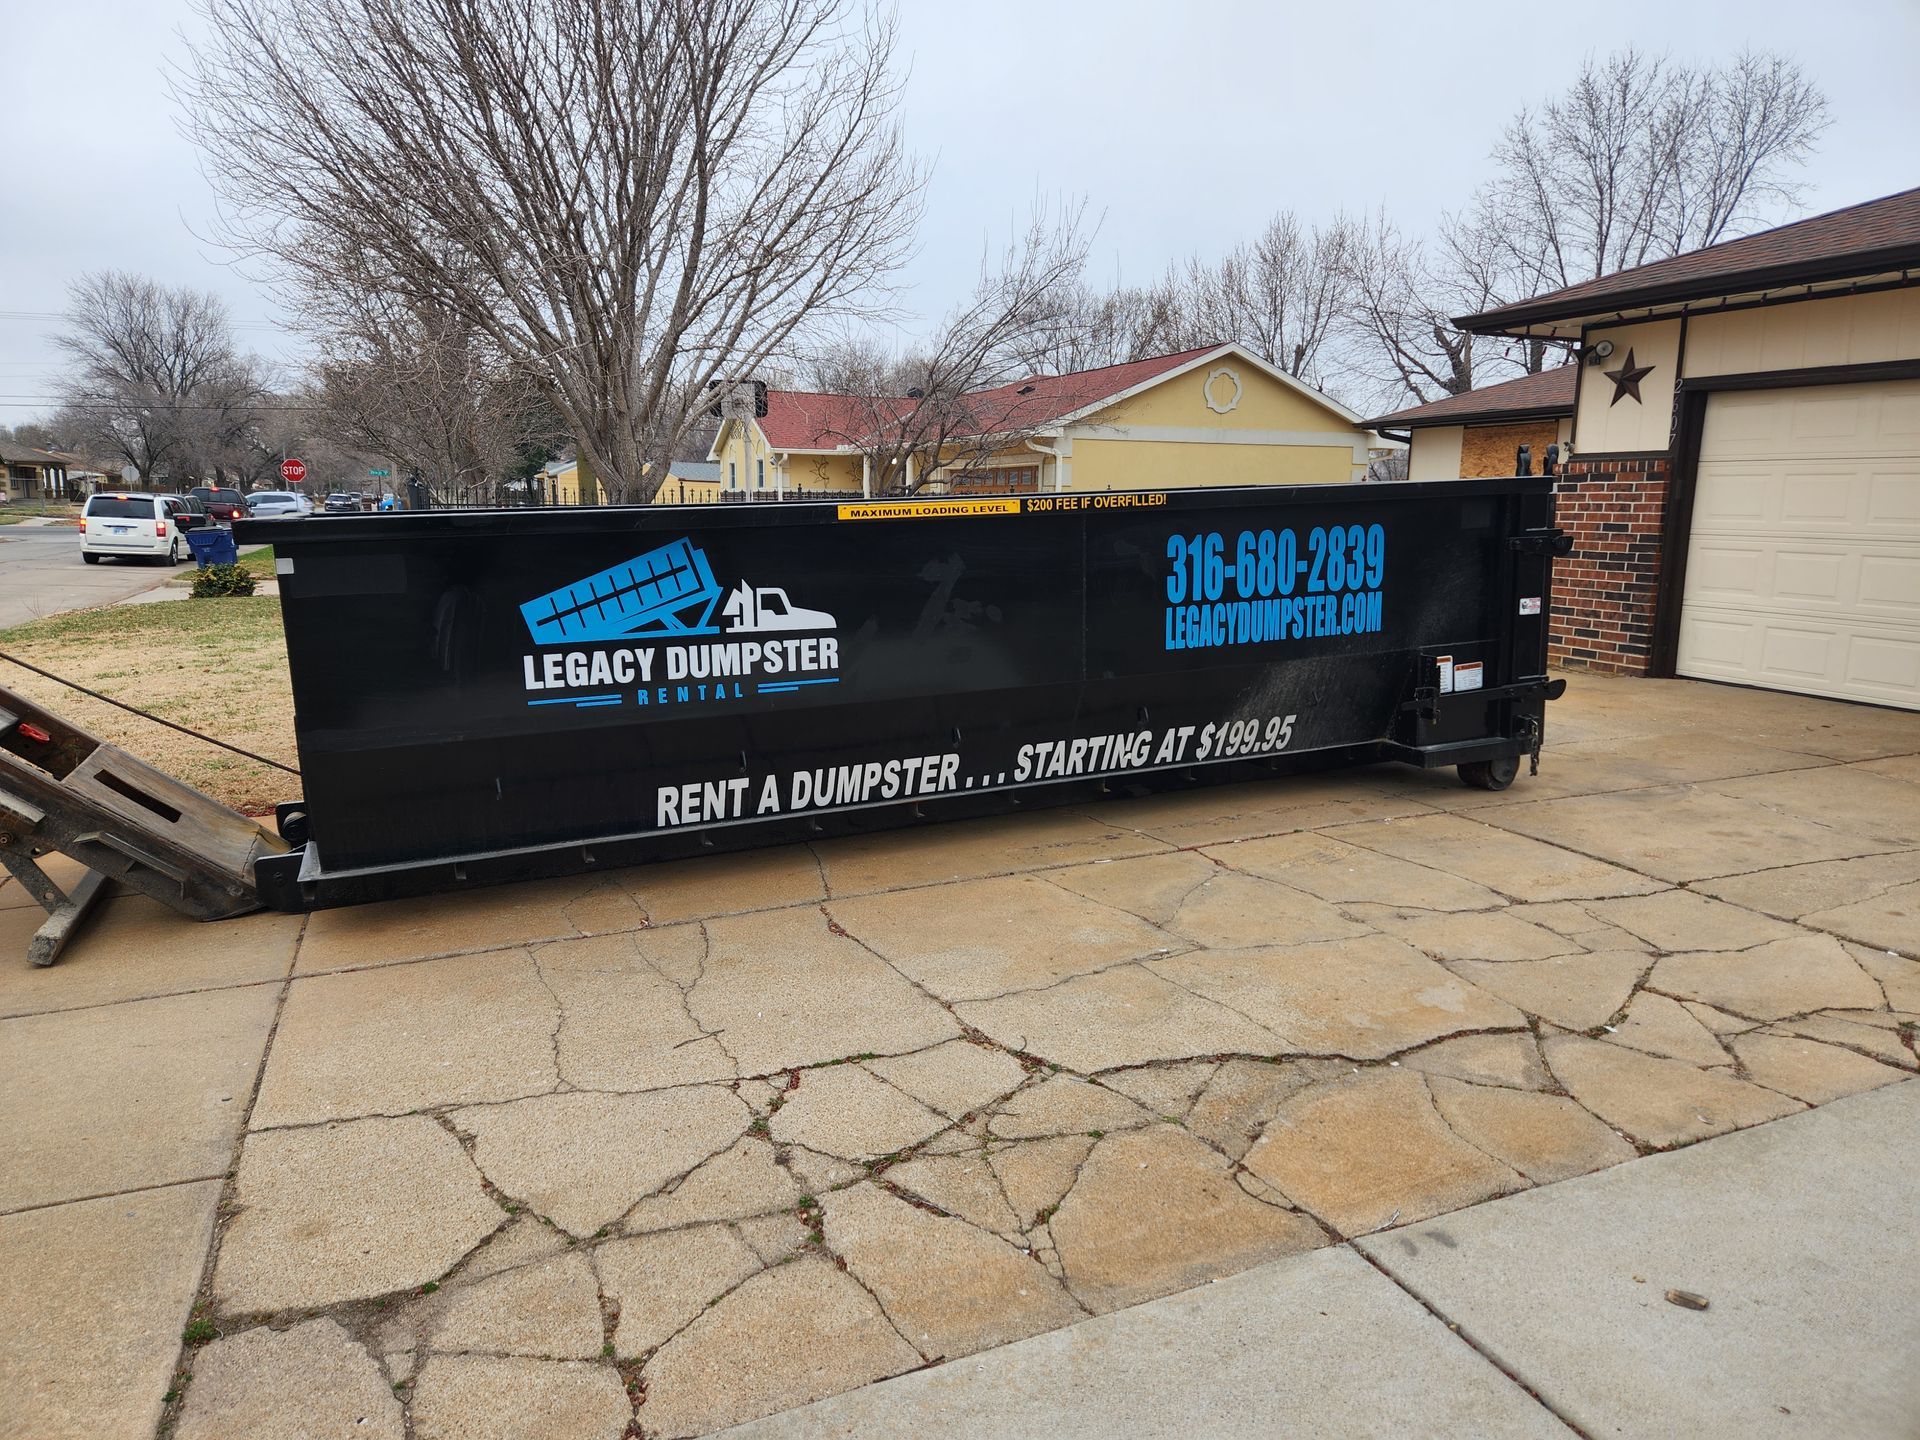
(684, 1146)
(1803, 1234)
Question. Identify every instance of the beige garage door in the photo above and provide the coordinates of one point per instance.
(1804, 567)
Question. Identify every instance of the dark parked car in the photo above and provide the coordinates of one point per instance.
(341, 503)
(224, 505)
(189, 511)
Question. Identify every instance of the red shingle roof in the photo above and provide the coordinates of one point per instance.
(1866, 239)
(808, 420)
(1548, 393)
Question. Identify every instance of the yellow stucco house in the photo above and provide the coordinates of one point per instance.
(1213, 416)
(688, 482)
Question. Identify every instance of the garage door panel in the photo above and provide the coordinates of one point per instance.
(1818, 421)
(1880, 666)
(1809, 577)
(1819, 497)
(1860, 501)
(1724, 572)
(1900, 417)
(1884, 665)
(1803, 569)
(1880, 583)
(1893, 497)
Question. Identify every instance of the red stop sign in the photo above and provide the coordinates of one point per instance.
(293, 471)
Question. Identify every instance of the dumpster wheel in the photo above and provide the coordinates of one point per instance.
(1490, 774)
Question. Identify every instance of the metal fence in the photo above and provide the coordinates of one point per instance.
(798, 492)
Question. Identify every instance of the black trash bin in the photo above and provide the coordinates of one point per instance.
(490, 695)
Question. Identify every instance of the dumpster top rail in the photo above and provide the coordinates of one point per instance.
(605, 519)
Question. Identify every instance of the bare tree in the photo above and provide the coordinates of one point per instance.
(415, 383)
(628, 201)
(1642, 158)
(1283, 295)
(32, 434)
(960, 398)
(157, 382)
(1398, 307)
(1097, 328)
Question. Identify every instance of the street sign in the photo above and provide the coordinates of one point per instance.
(380, 474)
(293, 471)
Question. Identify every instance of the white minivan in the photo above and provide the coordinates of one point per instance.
(146, 527)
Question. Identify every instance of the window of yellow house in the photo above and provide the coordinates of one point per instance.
(733, 475)
(760, 480)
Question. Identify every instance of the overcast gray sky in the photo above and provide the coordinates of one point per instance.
(1183, 125)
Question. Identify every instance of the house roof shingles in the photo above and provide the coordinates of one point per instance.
(808, 420)
(1548, 393)
(1868, 239)
(15, 454)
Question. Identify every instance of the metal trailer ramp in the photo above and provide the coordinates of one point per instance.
(62, 789)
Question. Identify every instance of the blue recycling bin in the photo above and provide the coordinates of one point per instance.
(212, 545)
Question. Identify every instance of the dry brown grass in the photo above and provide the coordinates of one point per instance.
(219, 666)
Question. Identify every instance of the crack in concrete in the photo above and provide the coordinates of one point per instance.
(1527, 1182)
(560, 1081)
(227, 1206)
(686, 998)
(1478, 1347)
(148, 995)
(1040, 1231)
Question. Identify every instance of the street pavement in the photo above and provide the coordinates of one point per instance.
(41, 574)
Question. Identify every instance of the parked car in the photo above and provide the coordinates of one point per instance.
(227, 505)
(191, 512)
(268, 504)
(341, 503)
(140, 527)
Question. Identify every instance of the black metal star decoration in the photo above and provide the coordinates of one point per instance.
(1626, 380)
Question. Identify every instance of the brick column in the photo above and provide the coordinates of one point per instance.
(1603, 593)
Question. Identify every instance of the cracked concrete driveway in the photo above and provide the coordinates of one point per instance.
(679, 1147)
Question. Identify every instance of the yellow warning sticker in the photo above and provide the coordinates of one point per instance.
(928, 509)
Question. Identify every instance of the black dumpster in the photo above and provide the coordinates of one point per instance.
(491, 695)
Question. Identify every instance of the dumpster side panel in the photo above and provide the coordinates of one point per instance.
(473, 684)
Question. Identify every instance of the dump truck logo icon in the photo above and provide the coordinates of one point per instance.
(766, 607)
(668, 591)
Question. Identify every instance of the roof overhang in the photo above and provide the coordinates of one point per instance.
(1477, 417)
(1567, 318)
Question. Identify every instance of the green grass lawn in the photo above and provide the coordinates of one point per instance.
(217, 665)
(213, 627)
(18, 510)
(258, 563)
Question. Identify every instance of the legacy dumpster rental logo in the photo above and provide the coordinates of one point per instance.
(645, 629)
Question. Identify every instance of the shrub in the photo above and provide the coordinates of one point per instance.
(217, 580)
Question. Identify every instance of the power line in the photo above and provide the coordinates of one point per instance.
(24, 401)
(57, 316)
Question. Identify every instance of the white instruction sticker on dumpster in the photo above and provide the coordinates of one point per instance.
(1466, 675)
(1530, 605)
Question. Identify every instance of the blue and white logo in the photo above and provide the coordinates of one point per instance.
(668, 591)
(669, 594)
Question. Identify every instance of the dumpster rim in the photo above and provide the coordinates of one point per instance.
(607, 519)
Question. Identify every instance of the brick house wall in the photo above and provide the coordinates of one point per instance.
(1605, 591)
